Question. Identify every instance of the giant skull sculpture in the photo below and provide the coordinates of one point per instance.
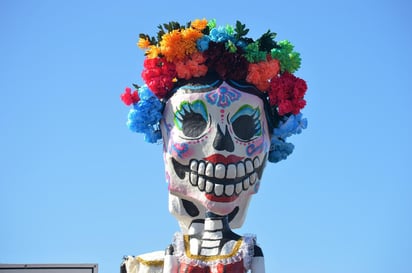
(216, 140)
(224, 104)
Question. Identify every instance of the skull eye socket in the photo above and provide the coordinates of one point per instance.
(191, 118)
(246, 123)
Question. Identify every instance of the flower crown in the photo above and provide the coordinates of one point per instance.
(180, 53)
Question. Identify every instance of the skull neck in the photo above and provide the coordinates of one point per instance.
(216, 238)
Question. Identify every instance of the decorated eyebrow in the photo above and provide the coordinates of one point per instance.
(189, 108)
(246, 110)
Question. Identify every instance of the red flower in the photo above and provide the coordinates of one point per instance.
(287, 92)
(158, 74)
(226, 64)
(128, 97)
(237, 66)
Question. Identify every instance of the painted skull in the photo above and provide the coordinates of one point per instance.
(216, 140)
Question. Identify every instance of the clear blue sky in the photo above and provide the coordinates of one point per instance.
(77, 187)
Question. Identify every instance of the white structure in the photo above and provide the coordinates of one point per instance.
(48, 268)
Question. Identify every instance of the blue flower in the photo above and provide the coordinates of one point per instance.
(153, 136)
(242, 44)
(279, 150)
(146, 115)
(145, 93)
(203, 43)
(220, 35)
(294, 124)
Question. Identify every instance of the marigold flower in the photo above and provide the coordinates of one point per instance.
(143, 43)
(199, 24)
(192, 66)
(172, 46)
(260, 73)
(180, 53)
(190, 36)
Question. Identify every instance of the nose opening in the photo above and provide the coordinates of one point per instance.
(223, 142)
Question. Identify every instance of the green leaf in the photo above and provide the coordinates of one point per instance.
(240, 30)
(267, 41)
(173, 25)
(160, 33)
(135, 86)
(166, 28)
(152, 39)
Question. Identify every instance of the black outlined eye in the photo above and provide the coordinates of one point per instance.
(246, 123)
(191, 118)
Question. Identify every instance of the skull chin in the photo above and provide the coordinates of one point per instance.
(218, 186)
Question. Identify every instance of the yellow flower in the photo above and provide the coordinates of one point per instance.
(143, 43)
(199, 24)
(152, 52)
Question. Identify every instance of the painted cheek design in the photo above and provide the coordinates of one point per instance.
(179, 150)
(255, 147)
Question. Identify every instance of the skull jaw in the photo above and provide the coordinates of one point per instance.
(183, 189)
(220, 208)
(190, 214)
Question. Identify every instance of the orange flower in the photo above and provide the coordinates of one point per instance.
(192, 66)
(199, 24)
(190, 36)
(261, 73)
(198, 57)
(172, 46)
(143, 43)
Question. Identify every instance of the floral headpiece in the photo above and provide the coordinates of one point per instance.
(180, 53)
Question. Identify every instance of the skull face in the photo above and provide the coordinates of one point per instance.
(215, 148)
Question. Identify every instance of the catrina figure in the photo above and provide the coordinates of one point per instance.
(223, 105)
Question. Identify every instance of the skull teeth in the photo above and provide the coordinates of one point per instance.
(221, 179)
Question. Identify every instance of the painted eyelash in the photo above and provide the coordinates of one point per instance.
(258, 126)
(186, 108)
(252, 112)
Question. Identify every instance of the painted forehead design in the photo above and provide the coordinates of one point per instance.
(221, 94)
